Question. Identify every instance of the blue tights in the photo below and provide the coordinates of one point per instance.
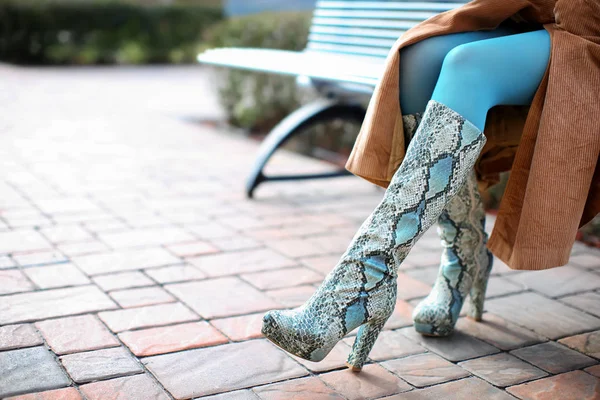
(474, 71)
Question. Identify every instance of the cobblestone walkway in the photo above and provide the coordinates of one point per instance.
(132, 266)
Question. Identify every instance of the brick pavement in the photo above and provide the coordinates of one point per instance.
(132, 266)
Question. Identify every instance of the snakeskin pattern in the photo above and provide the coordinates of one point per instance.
(465, 265)
(361, 289)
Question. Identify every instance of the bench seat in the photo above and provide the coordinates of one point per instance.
(319, 66)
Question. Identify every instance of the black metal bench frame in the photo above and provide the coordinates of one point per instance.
(354, 35)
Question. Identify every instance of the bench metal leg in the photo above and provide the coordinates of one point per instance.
(313, 113)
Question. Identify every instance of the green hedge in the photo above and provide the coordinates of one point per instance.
(257, 101)
(76, 32)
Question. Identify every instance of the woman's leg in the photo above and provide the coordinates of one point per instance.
(502, 71)
(474, 78)
(421, 63)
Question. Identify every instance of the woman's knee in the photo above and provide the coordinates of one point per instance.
(465, 58)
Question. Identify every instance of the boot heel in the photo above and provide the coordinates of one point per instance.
(478, 290)
(365, 339)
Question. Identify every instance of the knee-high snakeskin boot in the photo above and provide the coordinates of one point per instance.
(465, 266)
(361, 289)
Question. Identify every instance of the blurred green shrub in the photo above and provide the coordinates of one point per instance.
(100, 31)
(258, 101)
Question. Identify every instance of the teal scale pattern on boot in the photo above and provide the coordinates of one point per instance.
(361, 290)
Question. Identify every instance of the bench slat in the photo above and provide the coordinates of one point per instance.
(364, 23)
(388, 5)
(355, 41)
(331, 67)
(348, 49)
(359, 32)
(379, 15)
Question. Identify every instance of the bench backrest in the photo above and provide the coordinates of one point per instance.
(367, 28)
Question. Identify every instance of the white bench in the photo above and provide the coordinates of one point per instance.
(347, 46)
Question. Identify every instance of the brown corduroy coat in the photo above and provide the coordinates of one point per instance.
(552, 147)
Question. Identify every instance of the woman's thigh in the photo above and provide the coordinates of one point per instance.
(420, 65)
(501, 71)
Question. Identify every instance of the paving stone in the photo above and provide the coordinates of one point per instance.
(588, 302)
(559, 281)
(57, 394)
(122, 280)
(29, 370)
(502, 369)
(39, 258)
(100, 364)
(145, 317)
(401, 316)
(321, 264)
(295, 248)
(500, 268)
(141, 297)
(58, 275)
(543, 316)
(6, 262)
(572, 385)
(212, 230)
(240, 328)
(176, 273)
(83, 248)
(501, 286)
(241, 262)
(309, 388)
(283, 278)
(76, 334)
(106, 225)
(222, 297)
(22, 240)
(292, 296)
(594, 370)
(236, 395)
(425, 369)
(66, 233)
(149, 342)
(372, 382)
(125, 261)
(498, 332)
(587, 260)
(14, 281)
(146, 237)
(223, 368)
(335, 359)
(192, 249)
(391, 344)
(469, 388)
(553, 357)
(66, 205)
(129, 387)
(34, 306)
(236, 243)
(424, 258)
(457, 347)
(587, 343)
(426, 275)
(410, 288)
(18, 336)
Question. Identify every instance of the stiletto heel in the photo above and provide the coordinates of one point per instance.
(479, 288)
(364, 342)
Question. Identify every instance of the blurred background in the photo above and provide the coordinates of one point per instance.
(168, 32)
